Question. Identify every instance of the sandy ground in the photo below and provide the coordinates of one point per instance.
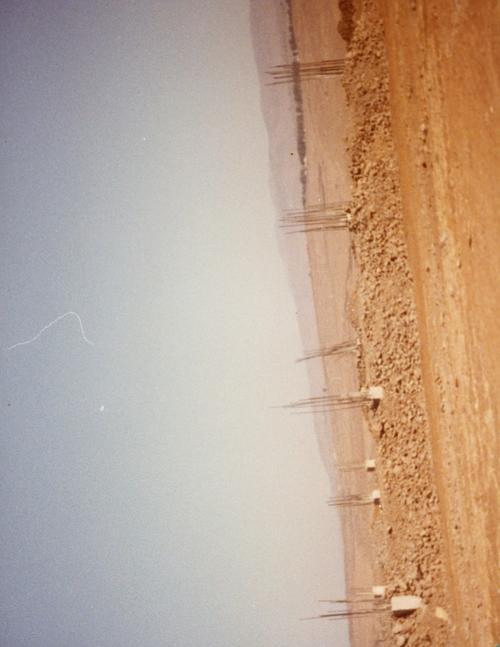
(410, 136)
(444, 61)
(423, 82)
(422, 87)
(409, 534)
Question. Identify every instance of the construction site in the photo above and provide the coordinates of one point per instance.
(397, 124)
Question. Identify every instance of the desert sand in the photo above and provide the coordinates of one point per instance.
(408, 137)
(423, 87)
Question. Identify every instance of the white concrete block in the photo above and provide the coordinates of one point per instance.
(375, 392)
(402, 605)
(370, 464)
(378, 591)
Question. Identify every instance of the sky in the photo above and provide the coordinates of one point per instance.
(151, 492)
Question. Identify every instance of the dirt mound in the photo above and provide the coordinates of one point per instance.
(408, 531)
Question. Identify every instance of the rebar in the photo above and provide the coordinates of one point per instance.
(323, 207)
(342, 614)
(316, 218)
(289, 72)
(330, 402)
(337, 349)
(309, 224)
(347, 502)
(350, 468)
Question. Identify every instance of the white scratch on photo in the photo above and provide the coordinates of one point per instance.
(39, 334)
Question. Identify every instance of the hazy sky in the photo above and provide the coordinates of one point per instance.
(150, 493)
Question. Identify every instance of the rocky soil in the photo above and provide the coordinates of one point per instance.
(407, 530)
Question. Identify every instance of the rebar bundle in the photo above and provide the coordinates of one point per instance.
(324, 403)
(351, 467)
(349, 601)
(346, 613)
(309, 224)
(337, 349)
(361, 590)
(323, 207)
(288, 72)
(350, 500)
(375, 594)
(368, 465)
(316, 218)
